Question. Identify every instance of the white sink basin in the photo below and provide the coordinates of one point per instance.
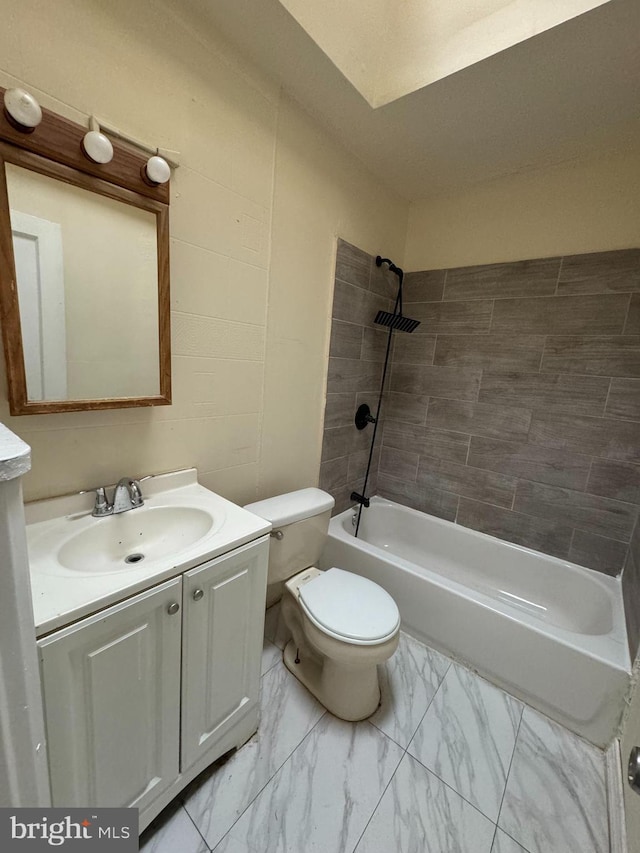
(118, 542)
(80, 564)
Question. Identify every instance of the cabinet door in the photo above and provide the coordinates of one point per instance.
(224, 604)
(112, 702)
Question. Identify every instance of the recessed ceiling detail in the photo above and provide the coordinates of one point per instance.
(561, 91)
(390, 48)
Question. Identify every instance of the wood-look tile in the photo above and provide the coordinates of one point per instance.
(352, 264)
(548, 536)
(336, 442)
(343, 440)
(631, 593)
(492, 352)
(624, 399)
(432, 501)
(453, 318)
(632, 326)
(604, 356)
(414, 349)
(383, 281)
(399, 463)
(454, 383)
(509, 423)
(355, 305)
(405, 407)
(451, 446)
(617, 480)
(425, 286)
(333, 473)
(519, 279)
(346, 340)
(556, 315)
(600, 272)
(339, 410)
(374, 344)
(605, 437)
(530, 462)
(358, 465)
(589, 513)
(342, 497)
(350, 374)
(468, 482)
(598, 552)
(581, 395)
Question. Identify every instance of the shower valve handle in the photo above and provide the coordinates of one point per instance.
(364, 416)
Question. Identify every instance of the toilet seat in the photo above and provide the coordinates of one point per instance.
(349, 607)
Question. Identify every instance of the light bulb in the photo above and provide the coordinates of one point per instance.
(23, 109)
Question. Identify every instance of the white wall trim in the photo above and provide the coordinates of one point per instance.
(24, 778)
(615, 798)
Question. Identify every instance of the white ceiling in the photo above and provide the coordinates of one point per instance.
(557, 96)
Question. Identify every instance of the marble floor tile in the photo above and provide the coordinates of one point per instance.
(408, 683)
(503, 843)
(274, 628)
(288, 713)
(555, 801)
(322, 798)
(420, 814)
(172, 832)
(271, 654)
(467, 738)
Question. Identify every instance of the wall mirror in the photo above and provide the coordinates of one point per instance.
(84, 280)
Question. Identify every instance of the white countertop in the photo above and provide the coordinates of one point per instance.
(61, 596)
(15, 455)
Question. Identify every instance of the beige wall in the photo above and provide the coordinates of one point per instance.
(587, 206)
(257, 204)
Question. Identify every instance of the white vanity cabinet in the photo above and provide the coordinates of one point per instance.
(221, 647)
(143, 696)
(111, 687)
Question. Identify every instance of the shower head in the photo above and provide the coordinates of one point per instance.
(395, 320)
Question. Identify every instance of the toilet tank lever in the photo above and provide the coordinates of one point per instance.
(277, 534)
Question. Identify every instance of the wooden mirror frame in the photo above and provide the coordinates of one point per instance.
(54, 149)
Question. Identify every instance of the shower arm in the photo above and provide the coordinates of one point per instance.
(400, 274)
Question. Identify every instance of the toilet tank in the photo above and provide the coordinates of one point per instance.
(303, 519)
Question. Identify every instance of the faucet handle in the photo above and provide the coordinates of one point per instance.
(102, 505)
(136, 493)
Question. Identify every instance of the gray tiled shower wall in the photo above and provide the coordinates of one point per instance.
(513, 409)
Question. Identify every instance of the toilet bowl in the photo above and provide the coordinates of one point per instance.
(341, 625)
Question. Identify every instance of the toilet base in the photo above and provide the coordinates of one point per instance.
(350, 693)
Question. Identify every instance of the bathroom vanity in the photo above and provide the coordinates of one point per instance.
(152, 669)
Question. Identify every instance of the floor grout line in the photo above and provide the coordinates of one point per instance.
(271, 778)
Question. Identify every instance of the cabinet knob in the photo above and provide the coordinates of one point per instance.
(197, 594)
(173, 608)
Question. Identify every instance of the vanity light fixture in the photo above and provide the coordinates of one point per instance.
(96, 145)
(22, 110)
(157, 170)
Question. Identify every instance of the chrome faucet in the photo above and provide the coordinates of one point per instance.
(127, 495)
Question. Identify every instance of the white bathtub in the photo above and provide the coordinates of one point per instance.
(547, 631)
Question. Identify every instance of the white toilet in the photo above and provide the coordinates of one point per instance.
(341, 625)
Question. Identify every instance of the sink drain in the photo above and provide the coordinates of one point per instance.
(134, 558)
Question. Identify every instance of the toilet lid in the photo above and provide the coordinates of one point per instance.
(350, 607)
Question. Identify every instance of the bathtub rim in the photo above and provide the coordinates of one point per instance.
(611, 648)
